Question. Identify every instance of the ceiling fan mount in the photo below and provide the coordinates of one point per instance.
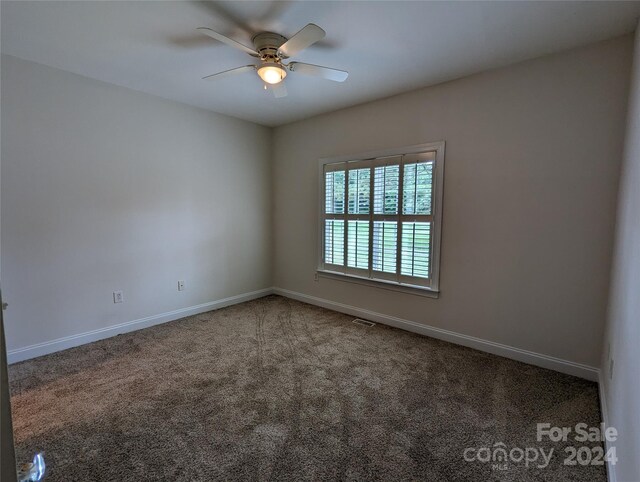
(272, 48)
(268, 43)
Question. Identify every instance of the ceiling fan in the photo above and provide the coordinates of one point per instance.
(272, 49)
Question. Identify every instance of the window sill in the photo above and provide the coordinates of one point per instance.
(386, 285)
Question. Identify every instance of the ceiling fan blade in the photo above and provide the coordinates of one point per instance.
(300, 41)
(225, 12)
(237, 70)
(230, 42)
(279, 90)
(318, 71)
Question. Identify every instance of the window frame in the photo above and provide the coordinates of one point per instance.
(373, 159)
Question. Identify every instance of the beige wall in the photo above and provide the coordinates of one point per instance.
(622, 343)
(532, 164)
(105, 189)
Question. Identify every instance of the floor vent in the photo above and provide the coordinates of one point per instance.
(360, 321)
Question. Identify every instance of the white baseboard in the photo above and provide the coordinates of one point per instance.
(611, 468)
(538, 359)
(545, 361)
(44, 348)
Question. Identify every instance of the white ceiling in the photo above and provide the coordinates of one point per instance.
(388, 47)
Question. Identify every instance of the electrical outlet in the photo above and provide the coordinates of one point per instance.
(181, 285)
(316, 277)
(118, 297)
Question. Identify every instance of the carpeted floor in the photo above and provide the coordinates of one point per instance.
(274, 389)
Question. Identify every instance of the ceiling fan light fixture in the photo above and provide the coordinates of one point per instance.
(272, 73)
(270, 49)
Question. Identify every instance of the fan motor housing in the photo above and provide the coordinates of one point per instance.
(268, 43)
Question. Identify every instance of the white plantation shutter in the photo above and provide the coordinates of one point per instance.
(418, 183)
(358, 244)
(380, 217)
(334, 242)
(386, 187)
(334, 192)
(359, 189)
(334, 204)
(385, 246)
(417, 202)
(414, 258)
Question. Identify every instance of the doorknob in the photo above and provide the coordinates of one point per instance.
(5, 306)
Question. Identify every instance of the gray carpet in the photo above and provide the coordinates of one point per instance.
(274, 389)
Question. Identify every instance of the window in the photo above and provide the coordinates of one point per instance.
(381, 216)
